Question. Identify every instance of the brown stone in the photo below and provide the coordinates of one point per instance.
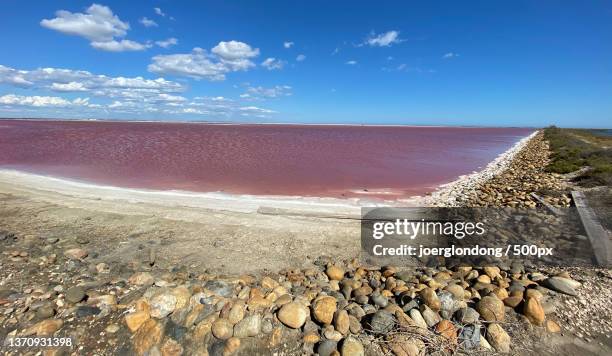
(148, 335)
(512, 302)
(293, 314)
(448, 330)
(222, 329)
(552, 327)
(532, 309)
(171, 348)
(231, 346)
(342, 322)
(498, 338)
(324, 308)
(135, 320)
(335, 272)
(430, 298)
(491, 308)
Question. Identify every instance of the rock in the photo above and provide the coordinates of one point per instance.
(293, 314)
(533, 311)
(498, 338)
(46, 311)
(141, 279)
(326, 347)
(235, 314)
(331, 334)
(249, 326)
(222, 329)
(354, 325)
(220, 288)
(352, 347)
(456, 291)
(403, 345)
(268, 283)
(45, 328)
(324, 308)
(162, 305)
(342, 322)
(382, 322)
(430, 298)
(469, 336)
(491, 309)
(171, 348)
(135, 320)
(112, 328)
(87, 310)
(467, 316)
(552, 327)
(75, 294)
(148, 335)
(448, 330)
(380, 300)
(430, 316)
(513, 302)
(76, 253)
(416, 316)
(231, 346)
(562, 285)
(335, 273)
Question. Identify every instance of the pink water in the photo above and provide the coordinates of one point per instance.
(336, 161)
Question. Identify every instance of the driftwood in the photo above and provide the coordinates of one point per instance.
(597, 234)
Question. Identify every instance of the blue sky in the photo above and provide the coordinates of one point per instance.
(492, 63)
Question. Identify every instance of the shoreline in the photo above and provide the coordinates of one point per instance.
(443, 195)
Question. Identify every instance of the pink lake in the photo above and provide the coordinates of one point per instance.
(306, 160)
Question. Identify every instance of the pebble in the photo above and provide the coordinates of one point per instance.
(162, 305)
(498, 338)
(562, 285)
(352, 347)
(382, 322)
(533, 311)
(293, 314)
(222, 329)
(249, 326)
(75, 294)
(76, 253)
(335, 272)
(324, 308)
(491, 309)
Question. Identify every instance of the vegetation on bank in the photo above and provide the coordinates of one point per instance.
(574, 150)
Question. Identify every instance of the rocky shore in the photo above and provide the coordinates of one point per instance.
(509, 181)
(54, 286)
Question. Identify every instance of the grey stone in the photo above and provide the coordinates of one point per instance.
(75, 294)
(249, 326)
(382, 322)
(562, 285)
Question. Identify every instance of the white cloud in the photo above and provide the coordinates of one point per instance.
(288, 44)
(273, 63)
(146, 22)
(41, 101)
(167, 43)
(450, 55)
(384, 39)
(68, 87)
(226, 57)
(255, 109)
(351, 62)
(99, 25)
(67, 80)
(300, 58)
(120, 46)
(159, 11)
(261, 93)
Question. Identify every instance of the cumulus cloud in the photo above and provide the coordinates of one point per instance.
(41, 101)
(159, 11)
(68, 80)
(98, 24)
(120, 46)
(384, 39)
(273, 63)
(146, 22)
(225, 57)
(288, 44)
(167, 43)
(261, 93)
(68, 87)
(300, 58)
